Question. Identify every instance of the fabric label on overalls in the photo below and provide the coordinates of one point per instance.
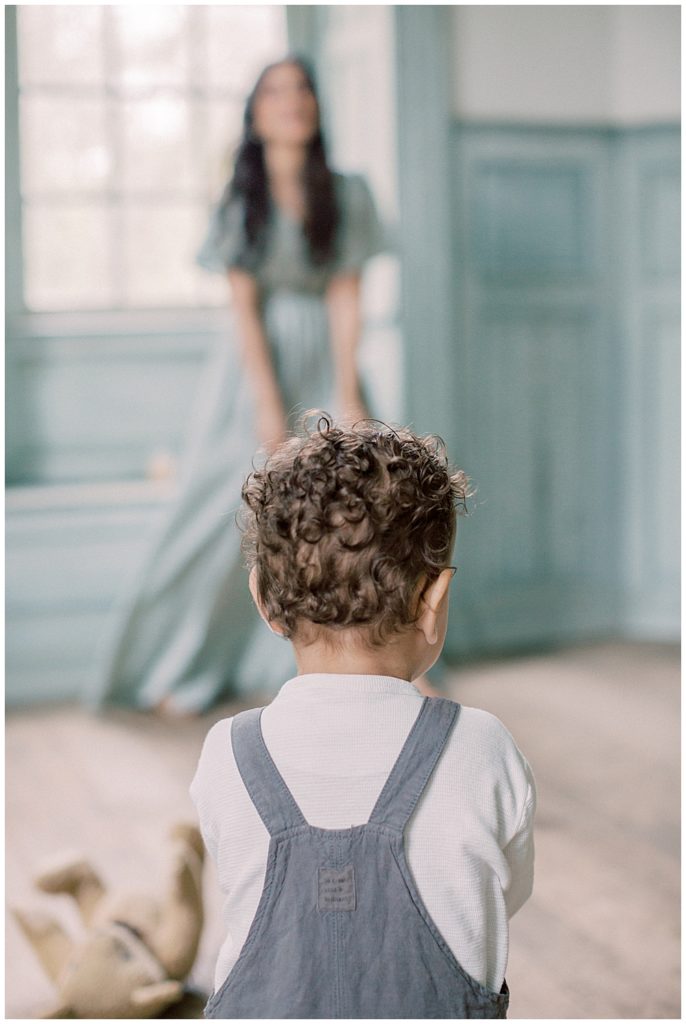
(336, 888)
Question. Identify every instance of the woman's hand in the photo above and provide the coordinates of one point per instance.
(271, 424)
(270, 415)
(350, 407)
(343, 302)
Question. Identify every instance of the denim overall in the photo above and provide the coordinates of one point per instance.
(340, 929)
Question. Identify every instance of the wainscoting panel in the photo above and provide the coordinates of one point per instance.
(564, 382)
(70, 553)
(91, 406)
(649, 171)
(530, 221)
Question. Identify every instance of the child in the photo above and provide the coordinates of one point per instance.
(370, 843)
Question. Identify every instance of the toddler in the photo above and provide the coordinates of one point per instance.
(371, 843)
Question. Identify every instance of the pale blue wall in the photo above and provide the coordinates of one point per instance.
(541, 310)
(563, 382)
(95, 396)
(69, 554)
(648, 323)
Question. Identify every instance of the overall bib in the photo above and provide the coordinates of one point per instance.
(340, 929)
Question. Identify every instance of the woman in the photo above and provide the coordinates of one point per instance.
(292, 236)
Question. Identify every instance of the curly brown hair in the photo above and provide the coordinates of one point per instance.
(342, 523)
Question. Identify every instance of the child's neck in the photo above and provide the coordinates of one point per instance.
(395, 659)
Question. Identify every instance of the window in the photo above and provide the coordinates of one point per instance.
(128, 117)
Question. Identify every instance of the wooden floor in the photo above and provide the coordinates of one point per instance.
(600, 726)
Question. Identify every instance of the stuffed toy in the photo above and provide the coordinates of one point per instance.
(138, 948)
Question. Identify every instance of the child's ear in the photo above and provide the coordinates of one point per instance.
(252, 583)
(431, 603)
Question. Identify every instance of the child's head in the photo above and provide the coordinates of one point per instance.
(347, 529)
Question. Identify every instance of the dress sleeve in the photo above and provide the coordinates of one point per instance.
(362, 235)
(224, 243)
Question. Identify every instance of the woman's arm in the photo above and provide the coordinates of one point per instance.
(271, 415)
(343, 299)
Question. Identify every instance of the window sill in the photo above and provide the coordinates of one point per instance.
(109, 323)
(35, 498)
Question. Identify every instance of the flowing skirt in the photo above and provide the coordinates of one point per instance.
(187, 629)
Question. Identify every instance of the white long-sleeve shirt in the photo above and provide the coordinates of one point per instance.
(335, 739)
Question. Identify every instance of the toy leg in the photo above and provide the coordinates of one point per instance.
(78, 879)
(177, 935)
(51, 943)
(150, 999)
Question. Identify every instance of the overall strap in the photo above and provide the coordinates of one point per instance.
(416, 761)
(269, 793)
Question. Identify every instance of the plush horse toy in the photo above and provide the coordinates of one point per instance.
(138, 948)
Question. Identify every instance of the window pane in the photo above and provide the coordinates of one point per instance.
(151, 45)
(242, 40)
(160, 246)
(60, 44)
(157, 151)
(63, 144)
(129, 119)
(212, 289)
(225, 123)
(66, 252)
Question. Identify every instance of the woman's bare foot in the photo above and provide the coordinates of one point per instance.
(167, 708)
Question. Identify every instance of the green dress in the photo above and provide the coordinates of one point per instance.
(186, 628)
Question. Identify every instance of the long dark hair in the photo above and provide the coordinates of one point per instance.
(250, 185)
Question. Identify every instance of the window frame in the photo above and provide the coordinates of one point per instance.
(30, 333)
(47, 322)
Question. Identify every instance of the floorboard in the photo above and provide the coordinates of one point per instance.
(600, 727)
